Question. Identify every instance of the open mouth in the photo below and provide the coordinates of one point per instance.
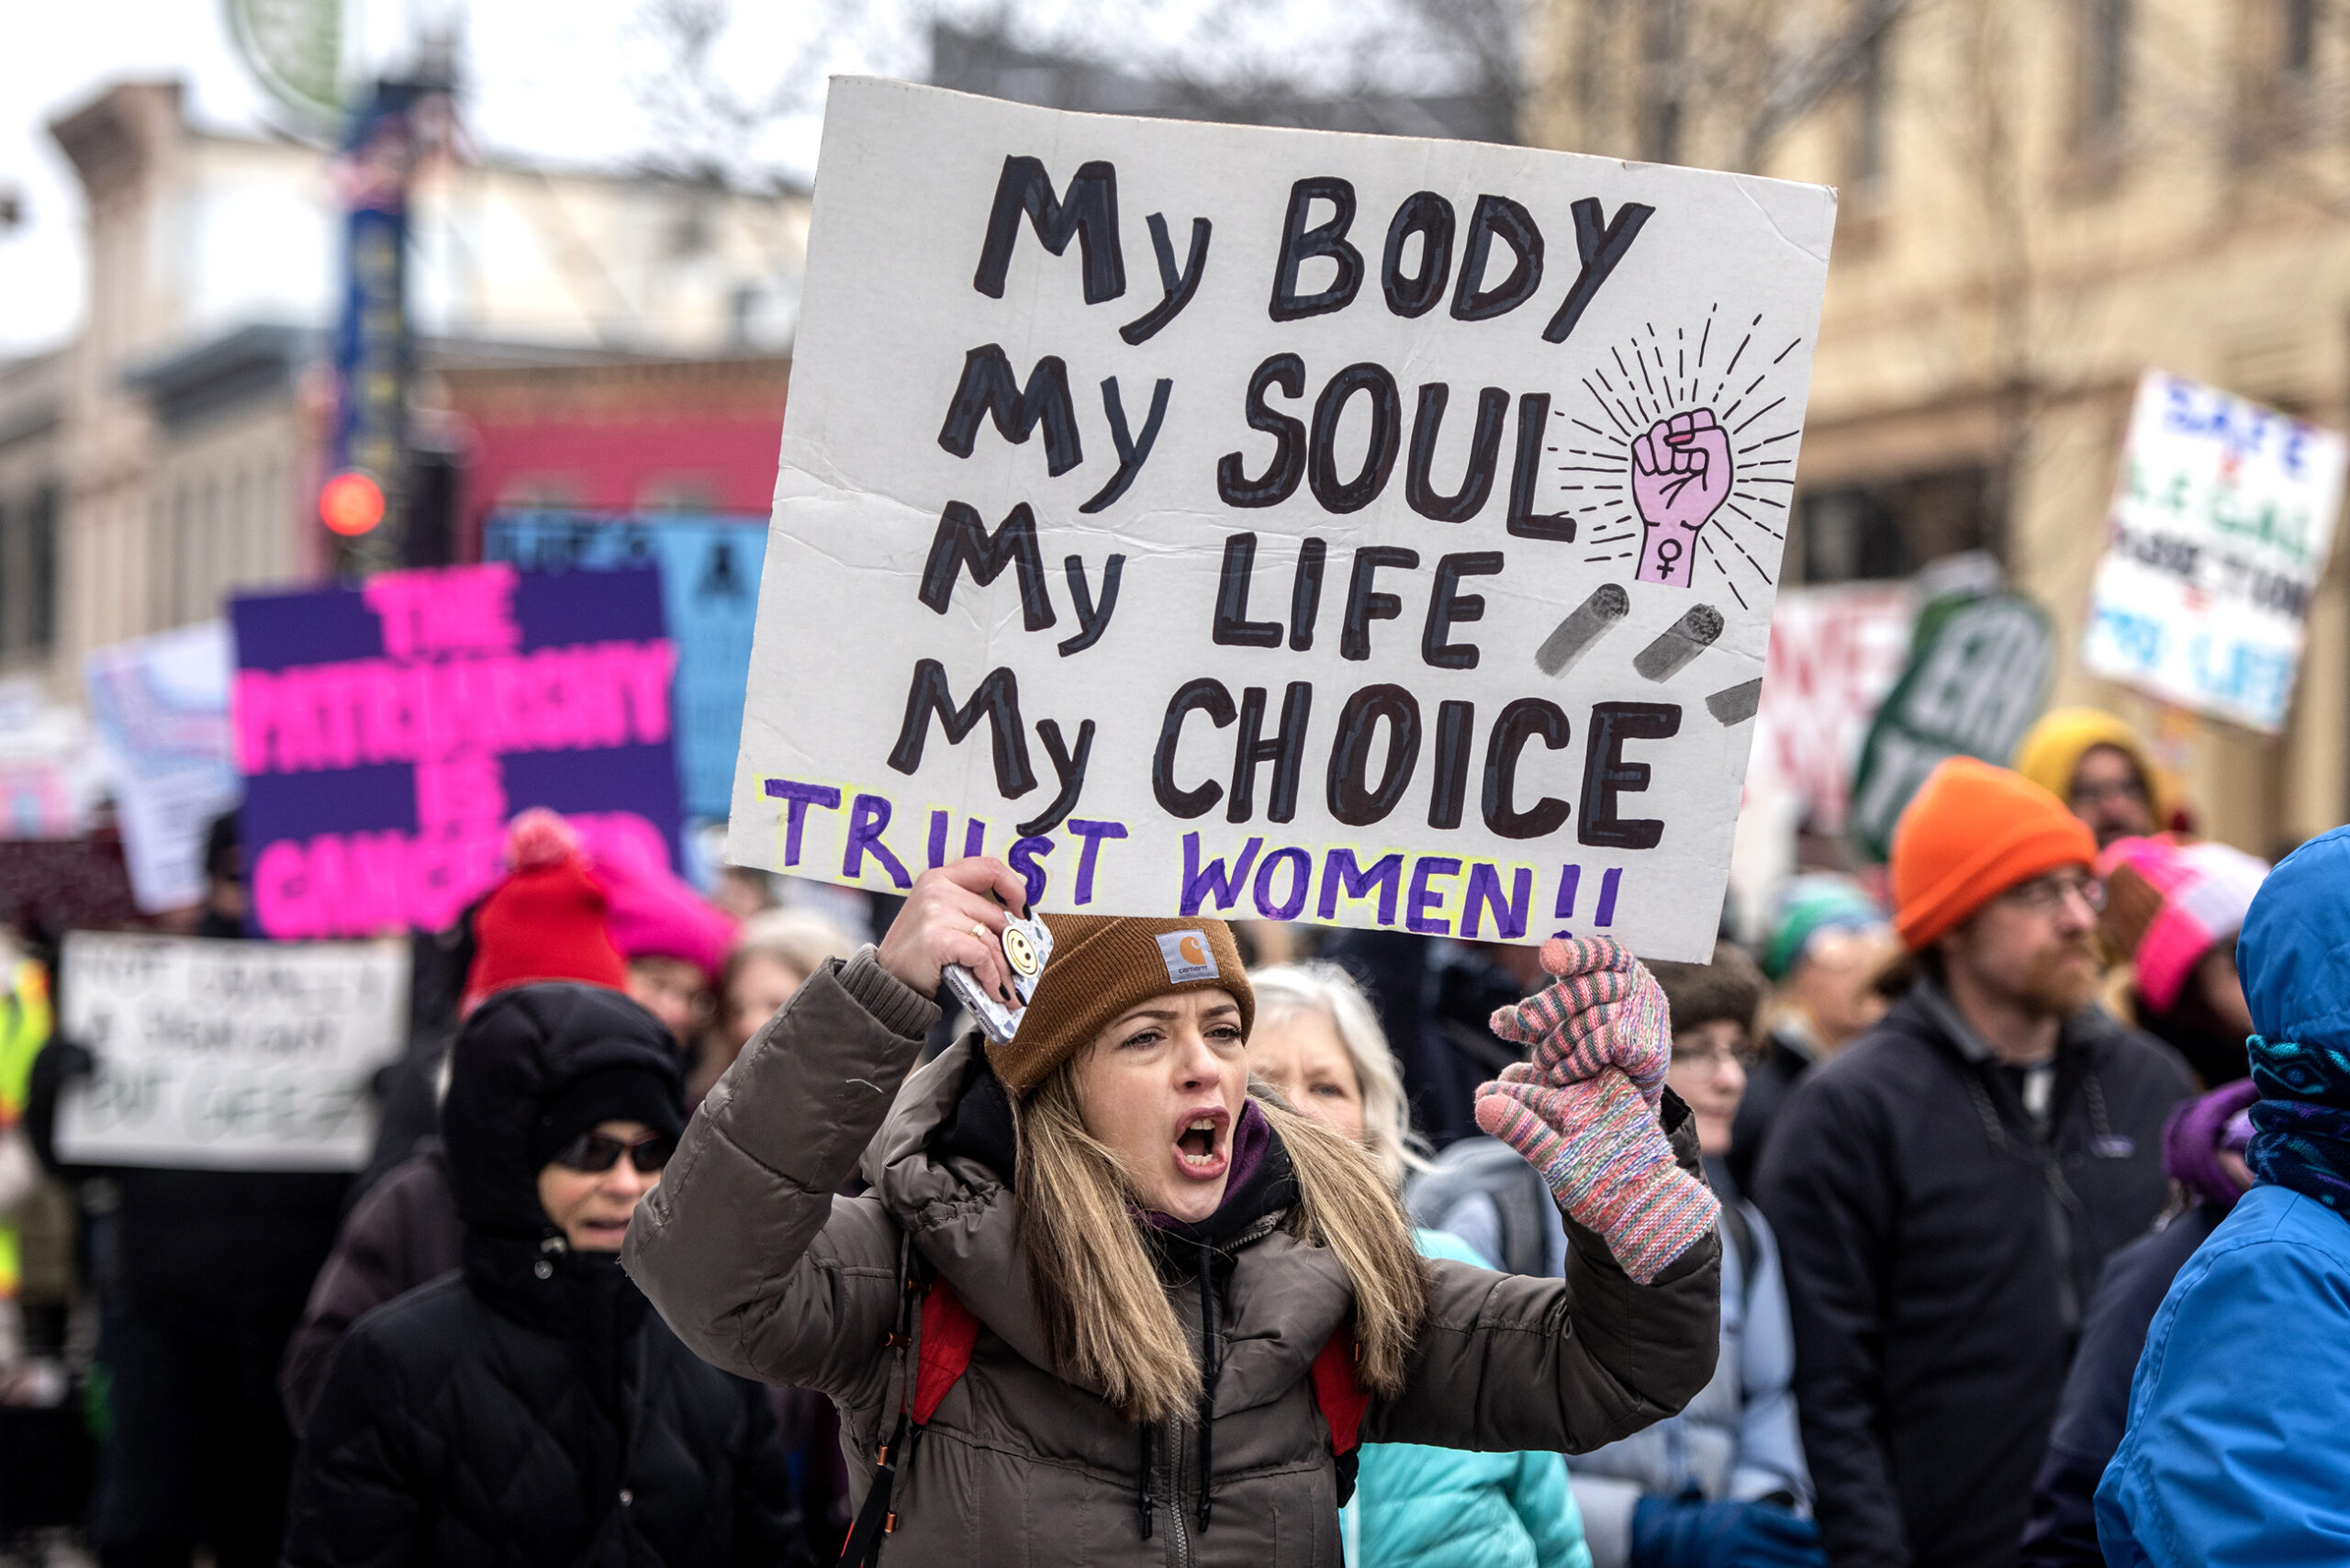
(1201, 1146)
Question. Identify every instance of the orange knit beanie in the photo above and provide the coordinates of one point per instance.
(1102, 966)
(1972, 831)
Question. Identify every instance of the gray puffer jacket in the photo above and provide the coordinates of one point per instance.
(760, 1268)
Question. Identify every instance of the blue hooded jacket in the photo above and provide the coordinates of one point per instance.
(2238, 1451)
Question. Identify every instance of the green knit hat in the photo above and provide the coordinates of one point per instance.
(1810, 906)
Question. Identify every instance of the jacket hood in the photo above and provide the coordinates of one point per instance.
(2294, 955)
(514, 1058)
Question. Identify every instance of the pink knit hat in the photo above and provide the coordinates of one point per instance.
(657, 914)
(2168, 903)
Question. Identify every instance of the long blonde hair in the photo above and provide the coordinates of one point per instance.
(1103, 1308)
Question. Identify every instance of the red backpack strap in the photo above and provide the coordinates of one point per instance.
(948, 1332)
(1337, 1391)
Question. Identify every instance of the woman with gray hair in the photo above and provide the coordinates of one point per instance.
(1318, 1043)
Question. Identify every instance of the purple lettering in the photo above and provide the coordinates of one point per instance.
(1341, 874)
(1300, 882)
(801, 797)
(1201, 883)
(1485, 893)
(1093, 833)
(868, 816)
(1024, 854)
(1420, 911)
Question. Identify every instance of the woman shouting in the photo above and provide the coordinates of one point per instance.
(1105, 1303)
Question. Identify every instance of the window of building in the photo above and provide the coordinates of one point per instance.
(2297, 37)
(1865, 160)
(212, 537)
(1887, 528)
(1662, 47)
(238, 550)
(28, 572)
(2105, 67)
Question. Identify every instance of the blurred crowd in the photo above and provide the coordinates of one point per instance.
(1975, 1120)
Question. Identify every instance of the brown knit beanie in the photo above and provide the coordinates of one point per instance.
(1100, 967)
(1730, 987)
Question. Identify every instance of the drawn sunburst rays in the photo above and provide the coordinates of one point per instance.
(1651, 375)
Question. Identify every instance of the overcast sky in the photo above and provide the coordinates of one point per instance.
(548, 78)
(566, 81)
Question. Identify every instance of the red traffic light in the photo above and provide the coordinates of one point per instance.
(350, 503)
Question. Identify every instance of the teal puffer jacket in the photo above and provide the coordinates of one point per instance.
(1427, 1507)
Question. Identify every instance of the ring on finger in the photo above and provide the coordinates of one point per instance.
(982, 932)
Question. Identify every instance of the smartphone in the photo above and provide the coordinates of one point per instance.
(1026, 946)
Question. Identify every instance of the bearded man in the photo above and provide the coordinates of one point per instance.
(1946, 1189)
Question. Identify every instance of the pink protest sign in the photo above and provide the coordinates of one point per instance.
(386, 734)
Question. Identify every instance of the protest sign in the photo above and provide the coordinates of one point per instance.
(161, 708)
(1835, 652)
(1227, 521)
(709, 590)
(386, 732)
(52, 777)
(1977, 678)
(2220, 526)
(239, 1055)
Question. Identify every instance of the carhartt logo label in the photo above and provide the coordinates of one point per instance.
(1187, 957)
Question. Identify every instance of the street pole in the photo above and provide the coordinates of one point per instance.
(361, 501)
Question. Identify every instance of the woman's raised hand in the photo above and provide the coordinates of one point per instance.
(950, 918)
(1602, 1010)
(1583, 1109)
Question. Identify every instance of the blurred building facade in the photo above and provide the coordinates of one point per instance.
(2038, 201)
(168, 455)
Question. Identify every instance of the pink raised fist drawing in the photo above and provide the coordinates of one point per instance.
(1680, 478)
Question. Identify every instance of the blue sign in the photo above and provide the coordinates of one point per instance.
(709, 587)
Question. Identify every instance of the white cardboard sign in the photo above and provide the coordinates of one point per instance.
(1251, 523)
(238, 1055)
(2220, 526)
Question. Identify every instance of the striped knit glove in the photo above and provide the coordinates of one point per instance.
(1583, 1110)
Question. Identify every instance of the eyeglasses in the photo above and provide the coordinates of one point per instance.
(2045, 895)
(1710, 1059)
(595, 1153)
(2096, 794)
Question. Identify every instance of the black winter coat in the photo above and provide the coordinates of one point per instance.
(532, 1409)
(2094, 1411)
(1939, 1250)
(450, 1434)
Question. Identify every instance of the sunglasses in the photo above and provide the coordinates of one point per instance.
(595, 1153)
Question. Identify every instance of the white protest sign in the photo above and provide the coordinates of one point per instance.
(239, 1055)
(2219, 530)
(1257, 522)
(161, 708)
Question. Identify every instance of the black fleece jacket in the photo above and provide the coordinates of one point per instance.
(1938, 1249)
